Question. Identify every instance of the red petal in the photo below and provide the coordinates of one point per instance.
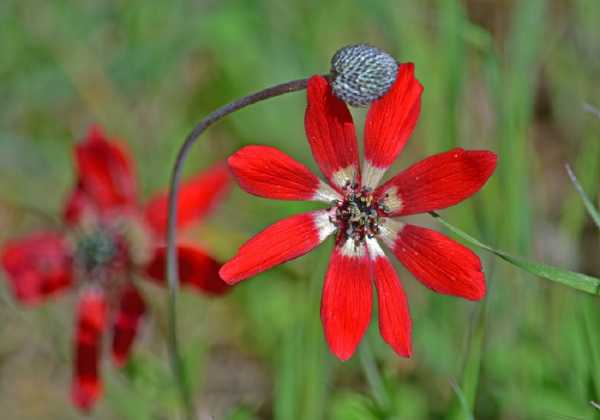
(394, 317)
(443, 265)
(131, 311)
(267, 172)
(437, 182)
(346, 300)
(79, 206)
(330, 132)
(105, 172)
(196, 269)
(392, 119)
(91, 321)
(283, 241)
(38, 266)
(197, 197)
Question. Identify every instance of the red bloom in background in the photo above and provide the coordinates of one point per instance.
(111, 240)
(361, 214)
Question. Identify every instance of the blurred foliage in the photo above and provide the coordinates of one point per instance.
(510, 76)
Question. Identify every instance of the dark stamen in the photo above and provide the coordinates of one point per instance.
(357, 216)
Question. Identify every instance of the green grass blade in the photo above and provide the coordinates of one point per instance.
(466, 392)
(303, 372)
(578, 281)
(590, 318)
(584, 197)
(464, 404)
(371, 371)
(591, 109)
(516, 99)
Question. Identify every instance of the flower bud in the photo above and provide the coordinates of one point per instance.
(361, 73)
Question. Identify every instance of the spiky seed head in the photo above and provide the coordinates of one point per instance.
(361, 73)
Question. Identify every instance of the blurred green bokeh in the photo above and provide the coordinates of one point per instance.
(509, 76)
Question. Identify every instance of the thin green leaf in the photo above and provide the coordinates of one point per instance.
(572, 279)
(584, 197)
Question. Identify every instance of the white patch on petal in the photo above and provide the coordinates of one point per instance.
(391, 200)
(350, 250)
(323, 224)
(371, 175)
(389, 230)
(375, 250)
(344, 176)
(326, 193)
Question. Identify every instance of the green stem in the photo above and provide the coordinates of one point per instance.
(374, 379)
(172, 268)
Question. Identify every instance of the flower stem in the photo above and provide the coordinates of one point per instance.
(172, 268)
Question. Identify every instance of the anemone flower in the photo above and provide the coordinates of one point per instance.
(362, 214)
(108, 241)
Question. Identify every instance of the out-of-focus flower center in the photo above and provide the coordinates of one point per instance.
(97, 249)
(357, 215)
(103, 246)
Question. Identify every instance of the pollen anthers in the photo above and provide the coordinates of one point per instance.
(357, 215)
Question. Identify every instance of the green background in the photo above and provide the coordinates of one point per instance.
(510, 76)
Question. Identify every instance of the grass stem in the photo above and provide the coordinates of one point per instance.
(373, 376)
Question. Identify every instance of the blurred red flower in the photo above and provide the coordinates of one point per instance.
(361, 213)
(111, 240)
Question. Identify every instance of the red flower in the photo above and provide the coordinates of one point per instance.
(112, 240)
(362, 214)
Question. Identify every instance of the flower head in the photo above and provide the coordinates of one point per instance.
(111, 240)
(362, 214)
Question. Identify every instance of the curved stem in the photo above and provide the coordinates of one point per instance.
(172, 269)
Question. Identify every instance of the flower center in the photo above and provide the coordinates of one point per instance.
(357, 215)
(96, 250)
